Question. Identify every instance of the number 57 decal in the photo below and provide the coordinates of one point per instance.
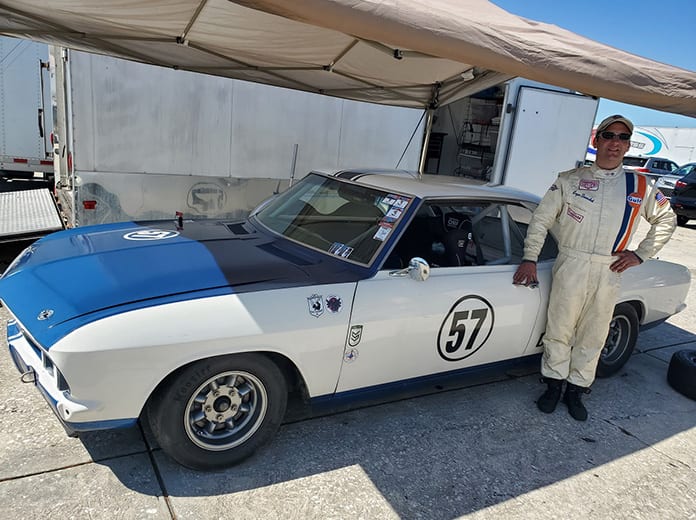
(466, 328)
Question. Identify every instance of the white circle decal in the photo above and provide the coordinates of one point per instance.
(466, 328)
(150, 234)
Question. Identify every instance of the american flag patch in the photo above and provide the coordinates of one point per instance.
(661, 199)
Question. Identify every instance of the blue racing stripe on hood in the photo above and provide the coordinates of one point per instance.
(85, 274)
(82, 271)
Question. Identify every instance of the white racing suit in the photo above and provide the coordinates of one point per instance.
(592, 213)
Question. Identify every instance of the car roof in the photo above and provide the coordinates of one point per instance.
(648, 158)
(430, 186)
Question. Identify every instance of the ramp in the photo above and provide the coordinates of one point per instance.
(27, 214)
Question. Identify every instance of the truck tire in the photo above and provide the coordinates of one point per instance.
(681, 374)
(621, 340)
(681, 220)
(216, 412)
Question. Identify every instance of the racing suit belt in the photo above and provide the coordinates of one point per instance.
(586, 257)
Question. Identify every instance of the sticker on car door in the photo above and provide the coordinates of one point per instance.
(466, 328)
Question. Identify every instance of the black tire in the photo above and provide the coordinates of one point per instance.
(621, 340)
(681, 374)
(216, 412)
(682, 220)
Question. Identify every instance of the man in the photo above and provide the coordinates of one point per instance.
(593, 210)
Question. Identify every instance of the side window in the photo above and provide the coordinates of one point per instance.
(520, 218)
(672, 167)
(466, 233)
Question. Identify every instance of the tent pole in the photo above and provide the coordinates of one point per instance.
(430, 113)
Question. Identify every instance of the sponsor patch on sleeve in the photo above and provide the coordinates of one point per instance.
(553, 187)
(660, 198)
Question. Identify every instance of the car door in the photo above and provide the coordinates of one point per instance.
(466, 314)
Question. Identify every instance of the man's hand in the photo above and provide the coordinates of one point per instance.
(624, 260)
(526, 274)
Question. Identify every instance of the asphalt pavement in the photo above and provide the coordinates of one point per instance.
(479, 452)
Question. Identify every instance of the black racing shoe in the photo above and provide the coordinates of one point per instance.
(572, 399)
(549, 399)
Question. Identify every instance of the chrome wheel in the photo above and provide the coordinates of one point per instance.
(225, 410)
(621, 340)
(619, 334)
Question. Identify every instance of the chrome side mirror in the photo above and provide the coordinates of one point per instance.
(418, 269)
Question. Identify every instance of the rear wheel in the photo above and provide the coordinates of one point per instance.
(682, 220)
(621, 340)
(217, 412)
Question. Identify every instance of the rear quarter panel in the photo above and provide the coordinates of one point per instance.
(660, 287)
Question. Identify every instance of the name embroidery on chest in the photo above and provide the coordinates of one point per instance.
(583, 196)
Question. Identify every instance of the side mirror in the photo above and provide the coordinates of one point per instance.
(418, 269)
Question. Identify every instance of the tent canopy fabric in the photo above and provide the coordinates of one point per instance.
(399, 52)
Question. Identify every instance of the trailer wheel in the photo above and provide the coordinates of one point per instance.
(621, 340)
(217, 412)
(681, 374)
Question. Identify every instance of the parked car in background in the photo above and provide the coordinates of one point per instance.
(683, 199)
(347, 287)
(666, 182)
(651, 166)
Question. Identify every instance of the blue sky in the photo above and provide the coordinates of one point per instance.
(660, 30)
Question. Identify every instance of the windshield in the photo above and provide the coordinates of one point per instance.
(634, 161)
(334, 216)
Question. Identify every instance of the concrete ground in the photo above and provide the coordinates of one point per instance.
(479, 452)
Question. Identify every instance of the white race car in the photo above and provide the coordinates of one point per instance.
(346, 287)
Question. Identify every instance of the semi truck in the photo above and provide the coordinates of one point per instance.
(27, 207)
(25, 148)
(673, 143)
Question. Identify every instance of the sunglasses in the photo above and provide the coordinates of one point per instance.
(609, 136)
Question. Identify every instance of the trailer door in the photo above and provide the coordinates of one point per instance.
(550, 134)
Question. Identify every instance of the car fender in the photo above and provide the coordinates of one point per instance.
(119, 360)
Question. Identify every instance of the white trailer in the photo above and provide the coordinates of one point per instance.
(136, 141)
(25, 130)
(520, 134)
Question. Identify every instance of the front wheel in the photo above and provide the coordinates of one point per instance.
(621, 340)
(216, 412)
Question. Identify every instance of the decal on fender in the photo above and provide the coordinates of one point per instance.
(466, 328)
(350, 355)
(355, 335)
(334, 303)
(316, 305)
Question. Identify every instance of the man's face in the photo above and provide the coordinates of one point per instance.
(610, 152)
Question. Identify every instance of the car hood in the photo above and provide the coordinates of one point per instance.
(73, 277)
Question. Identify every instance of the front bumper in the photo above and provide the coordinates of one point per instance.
(36, 367)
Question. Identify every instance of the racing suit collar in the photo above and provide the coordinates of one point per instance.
(600, 173)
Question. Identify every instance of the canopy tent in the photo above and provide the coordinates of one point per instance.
(400, 52)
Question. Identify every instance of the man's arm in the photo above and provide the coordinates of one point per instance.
(663, 222)
(543, 218)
